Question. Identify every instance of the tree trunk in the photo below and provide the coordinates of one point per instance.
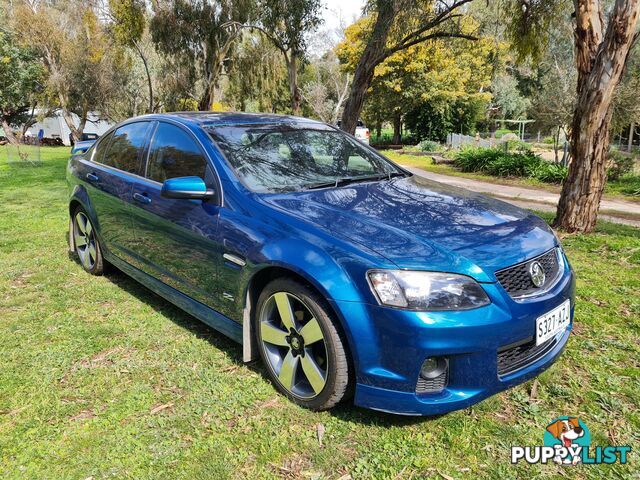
(370, 58)
(397, 129)
(76, 134)
(294, 91)
(632, 130)
(600, 59)
(149, 82)
(8, 132)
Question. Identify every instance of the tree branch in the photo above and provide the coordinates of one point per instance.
(390, 51)
(437, 20)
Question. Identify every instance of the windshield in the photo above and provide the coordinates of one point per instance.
(277, 158)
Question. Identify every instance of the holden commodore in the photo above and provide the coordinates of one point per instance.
(346, 274)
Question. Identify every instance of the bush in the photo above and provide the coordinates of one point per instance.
(619, 165)
(500, 163)
(428, 146)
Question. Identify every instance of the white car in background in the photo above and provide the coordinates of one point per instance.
(362, 132)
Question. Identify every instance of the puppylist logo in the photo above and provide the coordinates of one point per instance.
(567, 441)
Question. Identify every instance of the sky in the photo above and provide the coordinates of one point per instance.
(337, 14)
(347, 9)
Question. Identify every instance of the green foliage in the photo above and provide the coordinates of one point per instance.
(620, 164)
(288, 21)
(198, 37)
(21, 75)
(429, 146)
(129, 20)
(498, 162)
(435, 118)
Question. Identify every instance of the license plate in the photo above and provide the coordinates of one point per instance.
(553, 322)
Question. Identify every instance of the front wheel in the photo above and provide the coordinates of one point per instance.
(301, 346)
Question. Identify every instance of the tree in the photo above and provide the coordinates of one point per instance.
(200, 35)
(398, 25)
(602, 43)
(20, 76)
(128, 26)
(285, 23)
(257, 80)
(326, 88)
(85, 70)
(437, 85)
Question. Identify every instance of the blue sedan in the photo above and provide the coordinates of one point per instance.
(347, 275)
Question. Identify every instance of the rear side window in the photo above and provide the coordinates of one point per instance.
(173, 154)
(101, 147)
(125, 149)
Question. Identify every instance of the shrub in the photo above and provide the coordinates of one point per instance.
(497, 162)
(619, 165)
(428, 146)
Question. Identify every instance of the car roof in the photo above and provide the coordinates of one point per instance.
(219, 119)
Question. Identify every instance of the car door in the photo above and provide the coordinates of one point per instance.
(116, 159)
(176, 239)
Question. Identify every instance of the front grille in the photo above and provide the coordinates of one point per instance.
(517, 281)
(432, 385)
(517, 356)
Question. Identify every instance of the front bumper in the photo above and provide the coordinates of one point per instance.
(389, 346)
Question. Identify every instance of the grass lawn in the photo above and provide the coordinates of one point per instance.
(100, 378)
(613, 190)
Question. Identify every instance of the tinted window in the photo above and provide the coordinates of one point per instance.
(100, 148)
(279, 158)
(174, 154)
(126, 147)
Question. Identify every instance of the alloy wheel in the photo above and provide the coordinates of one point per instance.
(294, 345)
(85, 240)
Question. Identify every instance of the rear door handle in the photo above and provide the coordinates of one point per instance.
(140, 198)
(92, 177)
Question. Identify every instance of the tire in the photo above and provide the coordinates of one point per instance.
(85, 242)
(297, 360)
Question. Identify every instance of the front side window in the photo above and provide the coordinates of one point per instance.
(126, 146)
(174, 154)
(276, 158)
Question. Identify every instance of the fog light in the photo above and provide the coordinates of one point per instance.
(433, 367)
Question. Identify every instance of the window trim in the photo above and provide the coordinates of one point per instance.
(112, 132)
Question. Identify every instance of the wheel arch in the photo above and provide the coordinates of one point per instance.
(258, 281)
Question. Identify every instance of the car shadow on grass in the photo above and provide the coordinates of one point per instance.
(346, 411)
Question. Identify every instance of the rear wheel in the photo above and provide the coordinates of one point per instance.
(300, 345)
(85, 243)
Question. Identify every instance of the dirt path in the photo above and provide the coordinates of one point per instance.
(617, 211)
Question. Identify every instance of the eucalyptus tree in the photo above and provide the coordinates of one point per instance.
(285, 23)
(128, 25)
(200, 36)
(85, 70)
(604, 34)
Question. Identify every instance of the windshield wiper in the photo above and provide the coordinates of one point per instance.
(338, 182)
(343, 181)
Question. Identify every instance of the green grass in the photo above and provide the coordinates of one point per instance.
(101, 378)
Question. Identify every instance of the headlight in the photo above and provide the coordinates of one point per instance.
(426, 290)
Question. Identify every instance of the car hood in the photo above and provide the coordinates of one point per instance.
(418, 223)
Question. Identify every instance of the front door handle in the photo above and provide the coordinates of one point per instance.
(92, 177)
(140, 198)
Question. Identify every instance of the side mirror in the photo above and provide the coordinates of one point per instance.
(190, 188)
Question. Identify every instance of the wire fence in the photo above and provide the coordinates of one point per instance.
(22, 154)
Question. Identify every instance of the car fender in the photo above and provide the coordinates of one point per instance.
(323, 272)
